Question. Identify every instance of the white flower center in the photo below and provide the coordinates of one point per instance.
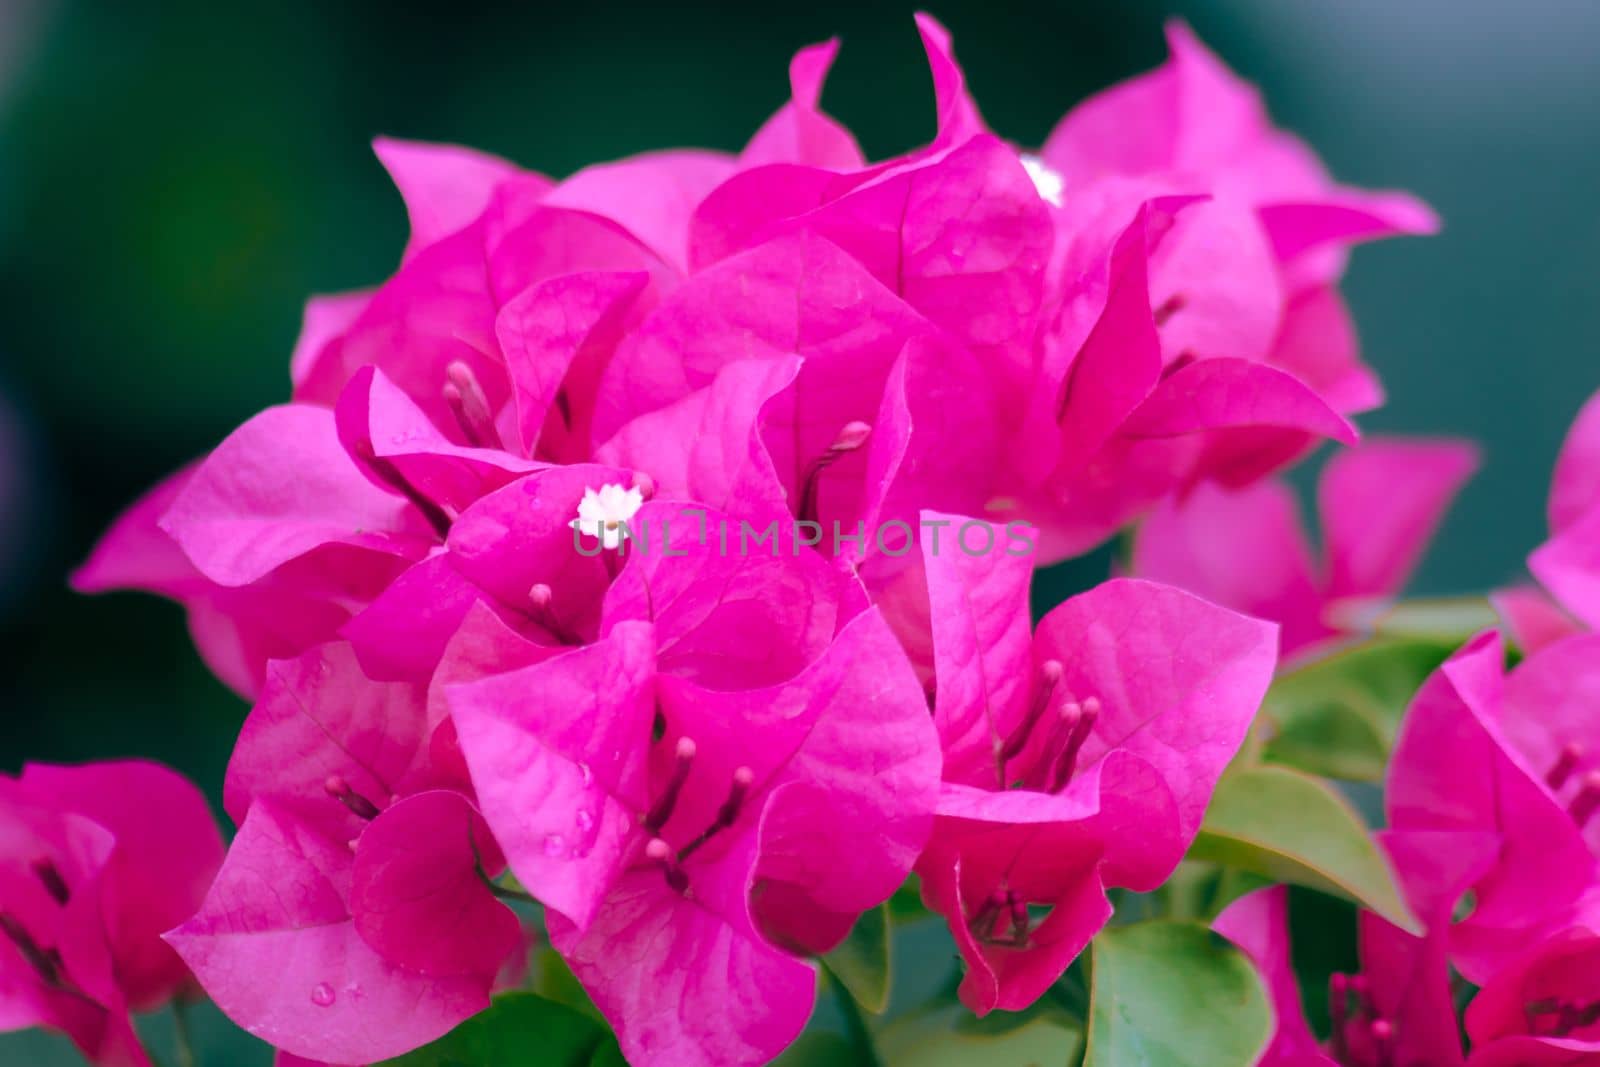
(606, 512)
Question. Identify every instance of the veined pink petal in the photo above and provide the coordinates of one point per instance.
(418, 894)
(557, 754)
(1575, 488)
(275, 947)
(799, 132)
(279, 487)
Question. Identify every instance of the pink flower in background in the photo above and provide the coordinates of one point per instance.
(97, 861)
(1568, 564)
(1380, 504)
(1075, 759)
(690, 840)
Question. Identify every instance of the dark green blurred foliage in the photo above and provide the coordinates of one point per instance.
(175, 178)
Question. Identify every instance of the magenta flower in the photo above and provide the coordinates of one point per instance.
(1543, 1008)
(694, 817)
(97, 861)
(1397, 1010)
(1460, 779)
(352, 919)
(1569, 563)
(1380, 503)
(1080, 759)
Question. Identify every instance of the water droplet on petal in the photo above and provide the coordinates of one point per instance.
(322, 996)
(585, 821)
(554, 845)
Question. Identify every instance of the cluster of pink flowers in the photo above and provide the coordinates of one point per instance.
(705, 760)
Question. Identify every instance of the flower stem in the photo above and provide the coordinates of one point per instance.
(180, 1031)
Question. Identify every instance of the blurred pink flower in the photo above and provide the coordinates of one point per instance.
(1380, 503)
(97, 861)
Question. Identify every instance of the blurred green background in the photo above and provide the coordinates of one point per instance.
(175, 178)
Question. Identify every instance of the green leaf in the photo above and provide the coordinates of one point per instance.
(823, 1048)
(1291, 827)
(861, 962)
(1447, 620)
(951, 1036)
(1173, 994)
(1337, 716)
(518, 1030)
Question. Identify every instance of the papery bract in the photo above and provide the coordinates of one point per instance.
(1379, 503)
(720, 840)
(1134, 698)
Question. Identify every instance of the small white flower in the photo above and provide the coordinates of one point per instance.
(1046, 178)
(605, 514)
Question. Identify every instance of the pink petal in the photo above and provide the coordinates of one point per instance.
(652, 196)
(1258, 923)
(1244, 550)
(374, 415)
(982, 646)
(279, 487)
(1569, 566)
(1344, 219)
(560, 329)
(1317, 343)
(705, 600)
(521, 536)
(1219, 394)
(705, 447)
(1531, 618)
(1452, 770)
(167, 850)
(324, 323)
(679, 984)
(1575, 487)
(557, 754)
(1179, 681)
(445, 186)
(1381, 503)
(1552, 700)
(799, 132)
(320, 716)
(417, 888)
(274, 946)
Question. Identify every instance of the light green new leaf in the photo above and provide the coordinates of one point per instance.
(951, 1036)
(1337, 716)
(518, 1030)
(1173, 994)
(1447, 620)
(861, 962)
(1291, 827)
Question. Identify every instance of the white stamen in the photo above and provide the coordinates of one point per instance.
(605, 514)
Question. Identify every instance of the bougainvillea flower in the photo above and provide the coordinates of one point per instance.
(1194, 119)
(1397, 1010)
(1456, 773)
(97, 861)
(691, 841)
(343, 791)
(1550, 714)
(1542, 1008)
(1380, 503)
(1569, 563)
(1081, 759)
